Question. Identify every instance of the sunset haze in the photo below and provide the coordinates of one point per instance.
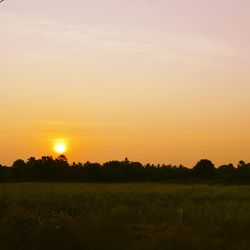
(163, 81)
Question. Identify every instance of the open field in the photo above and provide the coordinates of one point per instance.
(124, 216)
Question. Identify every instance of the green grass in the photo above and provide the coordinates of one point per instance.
(124, 216)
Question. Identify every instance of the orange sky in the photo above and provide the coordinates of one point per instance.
(155, 81)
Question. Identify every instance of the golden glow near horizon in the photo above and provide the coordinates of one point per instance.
(60, 147)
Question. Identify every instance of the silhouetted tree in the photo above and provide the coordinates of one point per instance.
(19, 164)
(204, 169)
(241, 164)
(226, 172)
(91, 172)
(226, 169)
(18, 170)
(243, 172)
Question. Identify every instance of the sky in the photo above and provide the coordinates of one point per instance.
(160, 81)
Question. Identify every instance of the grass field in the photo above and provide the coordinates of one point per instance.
(124, 216)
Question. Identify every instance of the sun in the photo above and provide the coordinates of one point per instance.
(60, 147)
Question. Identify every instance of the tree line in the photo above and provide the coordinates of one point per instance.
(58, 169)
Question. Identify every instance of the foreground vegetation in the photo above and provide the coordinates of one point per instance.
(124, 216)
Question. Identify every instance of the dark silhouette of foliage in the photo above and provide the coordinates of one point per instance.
(51, 169)
(241, 164)
(226, 169)
(204, 169)
(19, 164)
(243, 172)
